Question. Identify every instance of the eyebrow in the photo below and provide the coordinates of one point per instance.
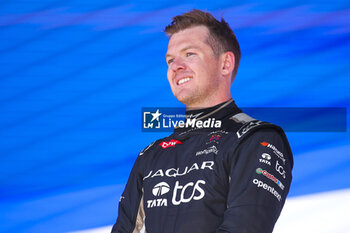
(182, 50)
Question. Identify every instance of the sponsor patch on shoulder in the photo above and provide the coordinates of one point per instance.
(270, 176)
(171, 143)
(268, 188)
(248, 126)
(275, 150)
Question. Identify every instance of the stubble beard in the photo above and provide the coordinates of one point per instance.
(194, 98)
(189, 99)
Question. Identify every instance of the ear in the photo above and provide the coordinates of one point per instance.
(228, 63)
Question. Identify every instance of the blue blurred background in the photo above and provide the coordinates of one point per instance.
(74, 76)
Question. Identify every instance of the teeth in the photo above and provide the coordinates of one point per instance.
(184, 80)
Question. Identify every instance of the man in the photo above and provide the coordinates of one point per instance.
(232, 178)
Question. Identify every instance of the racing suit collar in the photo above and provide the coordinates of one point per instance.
(217, 112)
(204, 113)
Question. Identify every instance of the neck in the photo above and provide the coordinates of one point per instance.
(208, 103)
(207, 112)
(217, 112)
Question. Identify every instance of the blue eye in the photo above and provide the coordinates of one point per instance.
(170, 61)
(189, 54)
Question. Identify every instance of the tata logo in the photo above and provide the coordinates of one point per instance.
(172, 142)
(159, 190)
(265, 158)
(157, 203)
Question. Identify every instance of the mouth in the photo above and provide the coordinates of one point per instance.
(183, 80)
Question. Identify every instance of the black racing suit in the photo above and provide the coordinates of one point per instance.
(234, 178)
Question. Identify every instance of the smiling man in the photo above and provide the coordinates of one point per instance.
(198, 78)
(233, 177)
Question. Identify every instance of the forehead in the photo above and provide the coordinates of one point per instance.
(195, 36)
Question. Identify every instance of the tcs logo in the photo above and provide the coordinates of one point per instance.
(195, 189)
(181, 193)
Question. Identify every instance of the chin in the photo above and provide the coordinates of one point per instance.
(187, 96)
(183, 99)
(186, 100)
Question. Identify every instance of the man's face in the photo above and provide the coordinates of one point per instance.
(193, 69)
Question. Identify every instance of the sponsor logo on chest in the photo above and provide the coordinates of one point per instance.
(181, 192)
(175, 172)
(159, 190)
(209, 150)
(215, 136)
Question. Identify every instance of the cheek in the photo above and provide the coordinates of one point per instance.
(168, 74)
(213, 68)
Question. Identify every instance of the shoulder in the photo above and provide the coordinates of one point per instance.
(159, 143)
(246, 130)
(242, 125)
(246, 125)
(270, 138)
(149, 148)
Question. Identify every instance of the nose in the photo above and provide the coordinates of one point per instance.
(178, 64)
